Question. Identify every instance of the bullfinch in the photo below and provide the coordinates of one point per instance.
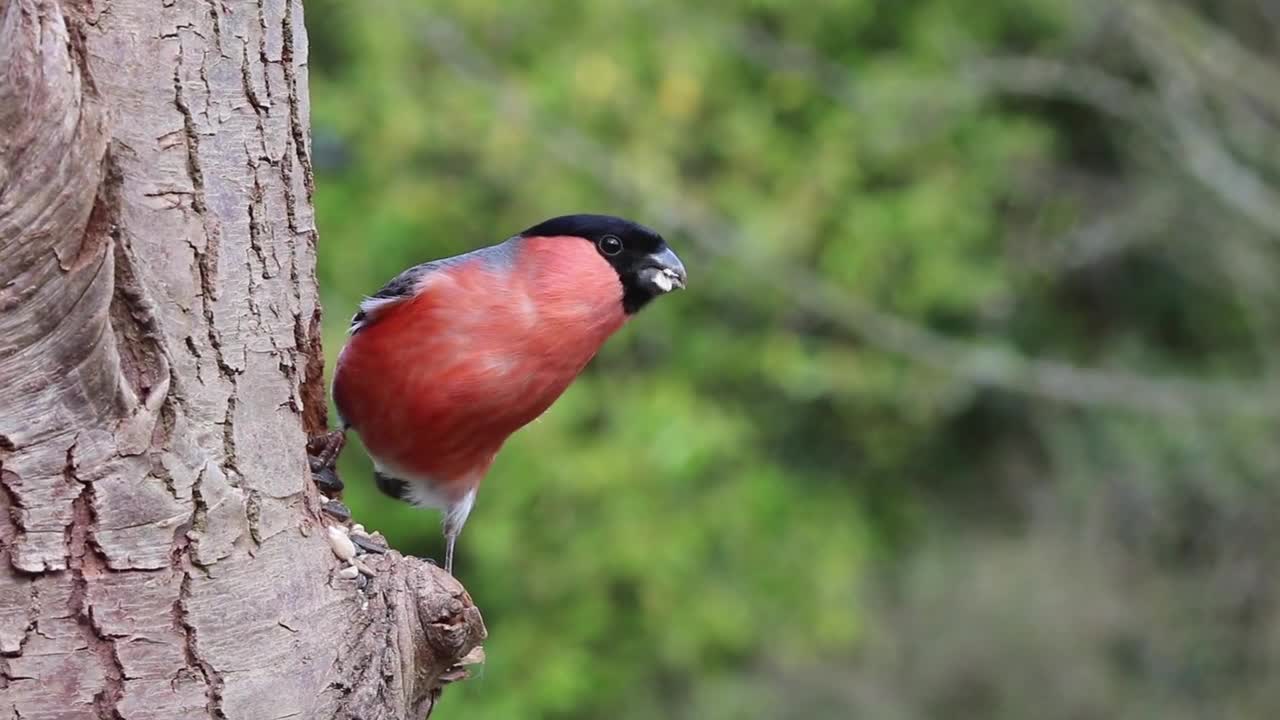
(452, 356)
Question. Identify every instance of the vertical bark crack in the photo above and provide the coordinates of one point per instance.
(216, 22)
(191, 650)
(246, 78)
(315, 408)
(262, 51)
(10, 531)
(11, 499)
(87, 561)
(295, 117)
(206, 257)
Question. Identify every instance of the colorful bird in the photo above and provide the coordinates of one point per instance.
(454, 355)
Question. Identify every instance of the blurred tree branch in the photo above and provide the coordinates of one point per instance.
(982, 364)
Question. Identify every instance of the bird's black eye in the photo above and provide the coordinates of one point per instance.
(610, 245)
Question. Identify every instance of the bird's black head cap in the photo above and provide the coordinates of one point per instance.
(645, 265)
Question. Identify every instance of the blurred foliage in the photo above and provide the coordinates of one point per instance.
(970, 411)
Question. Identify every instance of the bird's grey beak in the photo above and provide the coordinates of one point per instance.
(664, 271)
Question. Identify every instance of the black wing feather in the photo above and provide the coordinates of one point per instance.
(402, 286)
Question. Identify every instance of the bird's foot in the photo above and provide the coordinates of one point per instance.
(325, 448)
(323, 451)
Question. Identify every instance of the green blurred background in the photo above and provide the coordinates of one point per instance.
(971, 408)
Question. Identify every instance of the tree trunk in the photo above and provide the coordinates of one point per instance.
(162, 552)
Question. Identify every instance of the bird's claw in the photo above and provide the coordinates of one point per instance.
(325, 448)
(323, 451)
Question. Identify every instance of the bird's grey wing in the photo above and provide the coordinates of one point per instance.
(403, 286)
(399, 289)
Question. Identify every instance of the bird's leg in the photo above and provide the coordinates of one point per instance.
(324, 450)
(455, 516)
(448, 551)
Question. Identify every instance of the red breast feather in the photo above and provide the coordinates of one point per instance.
(437, 382)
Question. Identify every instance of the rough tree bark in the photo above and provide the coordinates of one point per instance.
(161, 550)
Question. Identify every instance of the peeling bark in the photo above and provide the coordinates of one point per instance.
(161, 550)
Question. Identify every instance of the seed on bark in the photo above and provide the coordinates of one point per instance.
(341, 544)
